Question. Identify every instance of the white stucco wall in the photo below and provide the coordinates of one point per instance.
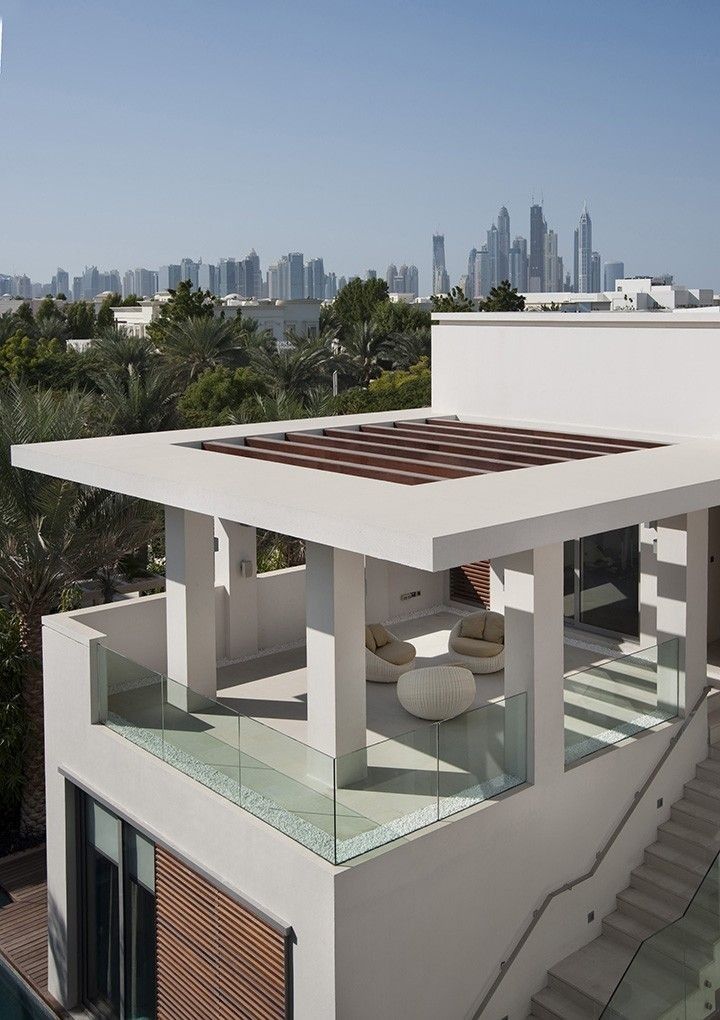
(422, 929)
(643, 372)
(242, 853)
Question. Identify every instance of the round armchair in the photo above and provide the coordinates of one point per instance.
(478, 642)
(386, 656)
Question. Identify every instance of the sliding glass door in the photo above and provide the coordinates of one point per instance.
(602, 581)
(117, 917)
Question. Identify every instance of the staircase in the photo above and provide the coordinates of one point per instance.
(580, 986)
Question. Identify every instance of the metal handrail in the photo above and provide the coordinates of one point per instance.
(477, 1011)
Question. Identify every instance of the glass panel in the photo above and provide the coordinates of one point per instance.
(385, 791)
(139, 907)
(102, 927)
(103, 830)
(676, 972)
(131, 698)
(201, 737)
(289, 785)
(482, 753)
(610, 580)
(619, 698)
(569, 579)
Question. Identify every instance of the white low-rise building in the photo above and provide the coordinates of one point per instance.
(635, 294)
(244, 822)
(278, 316)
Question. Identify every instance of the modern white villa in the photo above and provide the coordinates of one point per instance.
(345, 790)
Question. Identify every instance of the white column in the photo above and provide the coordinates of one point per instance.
(534, 658)
(190, 594)
(236, 572)
(682, 577)
(335, 614)
(497, 584)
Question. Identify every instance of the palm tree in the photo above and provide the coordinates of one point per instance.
(52, 533)
(115, 351)
(297, 366)
(134, 402)
(195, 344)
(316, 403)
(362, 347)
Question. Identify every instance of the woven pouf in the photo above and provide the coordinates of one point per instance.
(436, 692)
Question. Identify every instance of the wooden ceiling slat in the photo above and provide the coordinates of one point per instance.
(339, 467)
(634, 444)
(539, 442)
(470, 442)
(526, 454)
(473, 454)
(298, 444)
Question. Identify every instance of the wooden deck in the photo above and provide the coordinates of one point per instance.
(24, 921)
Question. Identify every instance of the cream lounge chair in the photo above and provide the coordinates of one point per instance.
(478, 642)
(386, 657)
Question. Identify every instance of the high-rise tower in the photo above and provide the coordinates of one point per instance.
(538, 230)
(584, 249)
(441, 280)
(503, 245)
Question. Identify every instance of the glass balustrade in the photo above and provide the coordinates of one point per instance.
(619, 698)
(339, 807)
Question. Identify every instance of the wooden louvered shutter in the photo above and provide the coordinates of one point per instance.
(471, 584)
(215, 958)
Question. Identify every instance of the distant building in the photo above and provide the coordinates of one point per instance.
(613, 271)
(331, 287)
(553, 263)
(189, 271)
(390, 274)
(584, 253)
(315, 279)
(518, 264)
(538, 229)
(169, 277)
(61, 282)
(371, 274)
(441, 280)
(595, 271)
(502, 266)
(207, 277)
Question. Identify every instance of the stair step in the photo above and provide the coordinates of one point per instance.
(709, 770)
(677, 888)
(703, 792)
(550, 1004)
(688, 812)
(686, 837)
(628, 929)
(647, 908)
(714, 754)
(591, 974)
(676, 862)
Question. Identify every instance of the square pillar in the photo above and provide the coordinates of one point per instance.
(497, 585)
(190, 597)
(682, 579)
(236, 572)
(534, 653)
(335, 615)
(648, 585)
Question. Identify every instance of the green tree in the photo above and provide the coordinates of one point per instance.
(219, 394)
(81, 320)
(391, 391)
(43, 362)
(358, 301)
(185, 303)
(295, 367)
(194, 345)
(13, 663)
(105, 317)
(503, 298)
(52, 533)
(364, 347)
(46, 310)
(455, 301)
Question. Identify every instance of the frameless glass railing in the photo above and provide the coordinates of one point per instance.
(619, 698)
(675, 974)
(339, 807)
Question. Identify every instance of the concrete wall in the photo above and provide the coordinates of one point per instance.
(714, 574)
(386, 583)
(422, 929)
(244, 854)
(645, 372)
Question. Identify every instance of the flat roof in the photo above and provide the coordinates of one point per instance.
(455, 520)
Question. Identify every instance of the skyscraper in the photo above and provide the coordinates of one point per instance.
(595, 272)
(576, 261)
(518, 264)
(441, 280)
(168, 277)
(584, 252)
(503, 245)
(90, 283)
(390, 274)
(472, 257)
(538, 229)
(411, 280)
(492, 247)
(613, 271)
(226, 277)
(253, 274)
(315, 279)
(294, 269)
(483, 272)
(553, 263)
(61, 282)
(207, 277)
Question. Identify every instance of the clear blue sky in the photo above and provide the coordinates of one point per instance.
(137, 133)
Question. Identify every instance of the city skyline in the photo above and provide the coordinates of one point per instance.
(166, 170)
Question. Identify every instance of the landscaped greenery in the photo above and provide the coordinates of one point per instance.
(195, 369)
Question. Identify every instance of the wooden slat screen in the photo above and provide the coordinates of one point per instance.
(471, 583)
(215, 958)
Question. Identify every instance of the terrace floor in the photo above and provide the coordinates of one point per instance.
(249, 745)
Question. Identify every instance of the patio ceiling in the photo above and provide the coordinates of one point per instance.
(428, 450)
